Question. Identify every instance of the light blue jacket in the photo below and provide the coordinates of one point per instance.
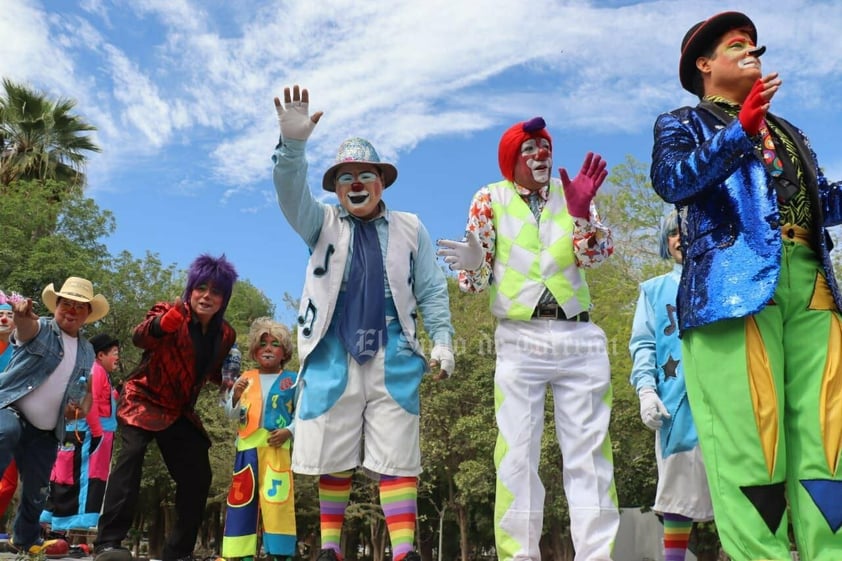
(656, 359)
(35, 360)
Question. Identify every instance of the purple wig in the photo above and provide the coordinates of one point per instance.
(218, 271)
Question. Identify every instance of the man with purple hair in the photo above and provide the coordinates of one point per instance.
(185, 344)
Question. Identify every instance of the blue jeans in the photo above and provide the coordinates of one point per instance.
(34, 450)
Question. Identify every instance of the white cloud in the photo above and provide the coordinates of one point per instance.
(397, 76)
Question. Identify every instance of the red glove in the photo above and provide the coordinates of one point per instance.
(754, 109)
(580, 192)
(172, 320)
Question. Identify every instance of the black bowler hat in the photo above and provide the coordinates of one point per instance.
(702, 35)
(103, 342)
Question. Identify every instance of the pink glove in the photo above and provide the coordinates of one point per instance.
(172, 320)
(580, 192)
(754, 109)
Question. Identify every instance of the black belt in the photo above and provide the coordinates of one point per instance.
(556, 312)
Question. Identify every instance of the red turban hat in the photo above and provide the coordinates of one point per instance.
(512, 140)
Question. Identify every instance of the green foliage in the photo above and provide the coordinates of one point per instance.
(41, 138)
(44, 241)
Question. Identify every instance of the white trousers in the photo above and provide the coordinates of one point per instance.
(571, 358)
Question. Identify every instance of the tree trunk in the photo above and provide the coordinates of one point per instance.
(462, 521)
(157, 532)
(556, 545)
(378, 540)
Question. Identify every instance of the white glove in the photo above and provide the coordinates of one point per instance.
(652, 409)
(465, 255)
(442, 357)
(294, 114)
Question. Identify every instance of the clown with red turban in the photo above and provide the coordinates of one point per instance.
(528, 240)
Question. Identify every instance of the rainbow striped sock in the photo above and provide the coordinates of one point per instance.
(334, 491)
(677, 530)
(398, 497)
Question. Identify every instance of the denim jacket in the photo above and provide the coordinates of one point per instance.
(34, 360)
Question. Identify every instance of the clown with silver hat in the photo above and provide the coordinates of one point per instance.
(361, 361)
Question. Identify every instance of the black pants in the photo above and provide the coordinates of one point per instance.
(185, 452)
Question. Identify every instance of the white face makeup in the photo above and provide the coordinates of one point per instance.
(674, 245)
(7, 321)
(359, 189)
(534, 164)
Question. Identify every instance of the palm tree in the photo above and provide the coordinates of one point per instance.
(40, 138)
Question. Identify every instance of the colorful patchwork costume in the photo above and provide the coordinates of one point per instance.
(262, 487)
(758, 303)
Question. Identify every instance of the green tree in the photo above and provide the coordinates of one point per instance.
(45, 242)
(633, 211)
(41, 138)
(458, 434)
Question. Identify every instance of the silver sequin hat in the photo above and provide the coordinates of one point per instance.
(358, 151)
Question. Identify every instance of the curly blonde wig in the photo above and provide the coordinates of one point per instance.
(269, 326)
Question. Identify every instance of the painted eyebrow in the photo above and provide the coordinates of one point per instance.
(740, 40)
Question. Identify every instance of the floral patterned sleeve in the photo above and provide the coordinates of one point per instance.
(592, 240)
(480, 221)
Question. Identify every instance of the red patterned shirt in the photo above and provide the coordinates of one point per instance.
(166, 384)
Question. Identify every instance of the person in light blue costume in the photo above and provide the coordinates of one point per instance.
(372, 271)
(657, 375)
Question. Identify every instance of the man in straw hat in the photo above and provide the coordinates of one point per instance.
(44, 386)
(529, 238)
(758, 303)
(371, 271)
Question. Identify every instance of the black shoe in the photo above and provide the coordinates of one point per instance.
(111, 552)
(328, 555)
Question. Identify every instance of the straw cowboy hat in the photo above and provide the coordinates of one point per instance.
(358, 151)
(79, 290)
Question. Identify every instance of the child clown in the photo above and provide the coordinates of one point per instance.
(262, 488)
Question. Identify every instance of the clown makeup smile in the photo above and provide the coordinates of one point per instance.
(536, 155)
(359, 198)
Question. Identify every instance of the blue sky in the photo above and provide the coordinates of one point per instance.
(181, 92)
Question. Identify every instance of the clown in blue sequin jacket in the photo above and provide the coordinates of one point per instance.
(706, 162)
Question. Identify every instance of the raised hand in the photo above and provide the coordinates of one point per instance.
(239, 387)
(23, 309)
(175, 316)
(294, 114)
(757, 103)
(464, 255)
(581, 190)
